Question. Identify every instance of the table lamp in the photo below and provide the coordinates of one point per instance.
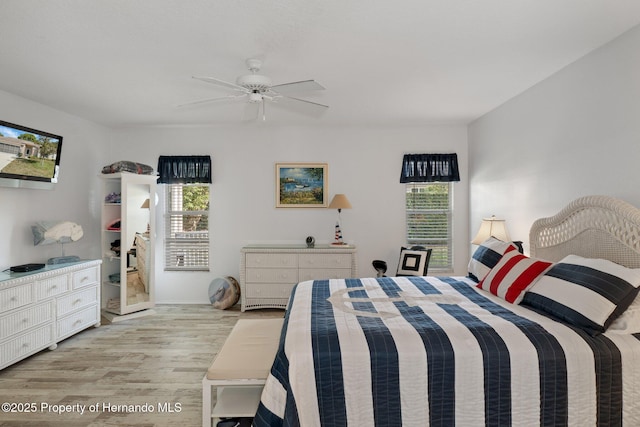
(492, 227)
(339, 202)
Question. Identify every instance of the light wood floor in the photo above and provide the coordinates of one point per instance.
(157, 360)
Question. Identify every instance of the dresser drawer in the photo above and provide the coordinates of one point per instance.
(26, 344)
(15, 297)
(77, 300)
(271, 260)
(50, 287)
(324, 273)
(268, 291)
(268, 273)
(85, 277)
(141, 242)
(25, 318)
(325, 261)
(272, 275)
(77, 321)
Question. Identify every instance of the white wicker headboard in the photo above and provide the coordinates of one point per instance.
(592, 227)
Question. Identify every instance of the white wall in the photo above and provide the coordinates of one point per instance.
(74, 197)
(575, 134)
(364, 164)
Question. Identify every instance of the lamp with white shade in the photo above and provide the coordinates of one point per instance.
(339, 202)
(492, 227)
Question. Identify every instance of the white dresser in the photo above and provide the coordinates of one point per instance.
(269, 272)
(40, 308)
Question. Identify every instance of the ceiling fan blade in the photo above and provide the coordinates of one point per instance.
(293, 87)
(208, 100)
(300, 106)
(221, 83)
(303, 100)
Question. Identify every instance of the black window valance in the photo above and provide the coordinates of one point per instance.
(184, 169)
(430, 168)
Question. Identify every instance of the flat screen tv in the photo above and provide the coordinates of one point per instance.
(28, 157)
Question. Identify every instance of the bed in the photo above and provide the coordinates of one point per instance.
(533, 343)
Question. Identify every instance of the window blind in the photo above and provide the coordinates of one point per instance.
(428, 220)
(187, 227)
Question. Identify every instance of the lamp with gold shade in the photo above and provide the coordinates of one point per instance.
(339, 202)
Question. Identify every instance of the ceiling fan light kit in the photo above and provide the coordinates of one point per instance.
(255, 97)
(258, 89)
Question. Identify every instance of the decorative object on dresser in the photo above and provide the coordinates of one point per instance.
(50, 232)
(38, 309)
(269, 272)
(310, 241)
(339, 202)
(127, 245)
(301, 185)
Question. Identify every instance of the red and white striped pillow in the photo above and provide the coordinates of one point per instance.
(513, 275)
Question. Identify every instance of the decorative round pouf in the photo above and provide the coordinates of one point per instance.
(224, 292)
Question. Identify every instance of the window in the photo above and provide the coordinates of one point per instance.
(186, 239)
(429, 210)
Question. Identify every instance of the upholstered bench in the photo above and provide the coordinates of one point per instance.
(240, 369)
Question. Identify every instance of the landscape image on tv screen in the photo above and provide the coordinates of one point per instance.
(28, 153)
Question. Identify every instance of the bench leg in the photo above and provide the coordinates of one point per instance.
(206, 402)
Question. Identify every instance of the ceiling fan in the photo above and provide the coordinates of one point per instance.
(258, 90)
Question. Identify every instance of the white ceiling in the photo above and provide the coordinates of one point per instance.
(130, 62)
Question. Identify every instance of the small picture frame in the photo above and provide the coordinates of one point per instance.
(301, 185)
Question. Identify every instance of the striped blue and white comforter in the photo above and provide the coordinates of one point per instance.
(417, 351)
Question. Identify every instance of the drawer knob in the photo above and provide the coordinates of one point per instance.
(84, 279)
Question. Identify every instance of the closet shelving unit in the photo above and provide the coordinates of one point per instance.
(127, 218)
